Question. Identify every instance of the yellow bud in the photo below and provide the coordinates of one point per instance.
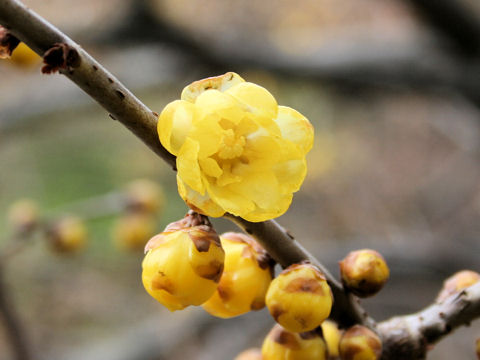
(24, 56)
(364, 272)
(245, 279)
(145, 196)
(68, 235)
(457, 282)
(132, 231)
(332, 336)
(360, 343)
(250, 354)
(299, 299)
(281, 344)
(23, 215)
(184, 263)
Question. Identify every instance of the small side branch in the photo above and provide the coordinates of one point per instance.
(409, 337)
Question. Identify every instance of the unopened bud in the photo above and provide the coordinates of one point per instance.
(332, 336)
(299, 298)
(364, 272)
(183, 264)
(360, 343)
(250, 354)
(23, 215)
(457, 282)
(132, 231)
(67, 235)
(144, 196)
(245, 279)
(283, 344)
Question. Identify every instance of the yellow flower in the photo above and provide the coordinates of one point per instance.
(237, 150)
(332, 336)
(245, 279)
(281, 344)
(184, 263)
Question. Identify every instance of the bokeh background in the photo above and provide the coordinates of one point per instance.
(391, 87)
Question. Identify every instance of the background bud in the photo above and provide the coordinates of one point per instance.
(477, 344)
(296, 286)
(457, 282)
(332, 336)
(245, 279)
(184, 263)
(364, 272)
(145, 196)
(67, 235)
(283, 344)
(250, 354)
(23, 215)
(360, 343)
(132, 231)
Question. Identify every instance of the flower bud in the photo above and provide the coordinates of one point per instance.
(281, 344)
(245, 279)
(250, 354)
(332, 336)
(184, 263)
(299, 299)
(364, 272)
(23, 215)
(67, 235)
(144, 196)
(360, 343)
(25, 57)
(132, 231)
(457, 282)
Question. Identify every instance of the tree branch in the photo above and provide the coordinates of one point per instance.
(13, 327)
(410, 336)
(102, 86)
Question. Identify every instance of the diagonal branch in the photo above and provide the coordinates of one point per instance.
(123, 106)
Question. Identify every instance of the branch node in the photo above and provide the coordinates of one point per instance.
(60, 56)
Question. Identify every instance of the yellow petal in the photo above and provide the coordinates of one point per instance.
(188, 167)
(200, 203)
(220, 83)
(208, 133)
(257, 99)
(260, 214)
(230, 201)
(210, 167)
(290, 174)
(295, 127)
(174, 123)
(225, 106)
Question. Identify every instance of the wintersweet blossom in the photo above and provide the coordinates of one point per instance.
(237, 150)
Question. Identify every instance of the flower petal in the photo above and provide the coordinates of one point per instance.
(225, 106)
(188, 167)
(208, 133)
(174, 123)
(295, 127)
(230, 201)
(220, 83)
(257, 99)
(200, 203)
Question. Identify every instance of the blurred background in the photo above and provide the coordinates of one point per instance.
(391, 87)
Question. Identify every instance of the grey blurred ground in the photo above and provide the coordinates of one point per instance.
(395, 164)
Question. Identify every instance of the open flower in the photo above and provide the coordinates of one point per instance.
(237, 150)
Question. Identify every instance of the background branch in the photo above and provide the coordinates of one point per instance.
(13, 328)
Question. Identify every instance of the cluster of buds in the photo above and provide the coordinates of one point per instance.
(144, 201)
(64, 235)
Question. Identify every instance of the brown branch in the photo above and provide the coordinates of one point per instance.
(89, 75)
(411, 336)
(13, 328)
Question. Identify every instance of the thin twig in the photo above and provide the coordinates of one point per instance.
(14, 329)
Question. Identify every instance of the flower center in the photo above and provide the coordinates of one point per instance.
(231, 146)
